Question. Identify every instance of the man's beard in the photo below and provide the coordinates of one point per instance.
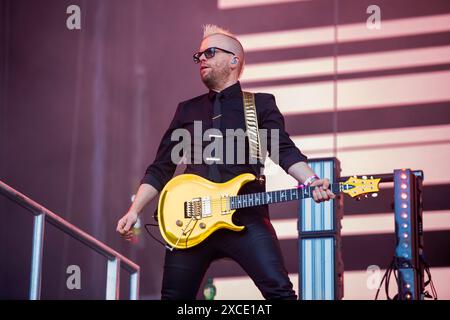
(215, 77)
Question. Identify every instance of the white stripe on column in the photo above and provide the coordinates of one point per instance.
(328, 222)
(307, 286)
(329, 272)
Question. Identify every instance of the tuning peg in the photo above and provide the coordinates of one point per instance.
(371, 177)
(358, 198)
(365, 196)
(374, 195)
(364, 177)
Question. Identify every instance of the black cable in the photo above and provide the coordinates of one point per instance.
(392, 268)
(388, 270)
(381, 284)
(433, 289)
(395, 271)
(429, 281)
(156, 239)
(386, 284)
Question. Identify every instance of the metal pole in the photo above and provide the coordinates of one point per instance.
(113, 279)
(134, 286)
(36, 257)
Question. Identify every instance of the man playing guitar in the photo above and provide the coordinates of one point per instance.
(256, 249)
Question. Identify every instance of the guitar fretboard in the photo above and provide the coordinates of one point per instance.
(262, 198)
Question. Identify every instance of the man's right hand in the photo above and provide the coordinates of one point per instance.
(125, 225)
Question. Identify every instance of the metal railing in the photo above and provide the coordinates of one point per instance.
(41, 214)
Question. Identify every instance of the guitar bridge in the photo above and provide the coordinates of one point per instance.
(198, 208)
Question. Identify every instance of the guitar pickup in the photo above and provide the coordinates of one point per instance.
(206, 207)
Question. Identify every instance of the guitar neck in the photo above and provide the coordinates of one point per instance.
(262, 198)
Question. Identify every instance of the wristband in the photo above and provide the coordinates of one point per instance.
(311, 180)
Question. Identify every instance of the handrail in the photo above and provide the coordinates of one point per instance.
(42, 214)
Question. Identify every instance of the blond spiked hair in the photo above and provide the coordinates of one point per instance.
(210, 29)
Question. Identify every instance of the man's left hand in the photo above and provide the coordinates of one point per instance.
(321, 192)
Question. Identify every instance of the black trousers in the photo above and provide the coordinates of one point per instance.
(256, 249)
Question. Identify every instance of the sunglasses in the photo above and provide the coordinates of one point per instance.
(209, 53)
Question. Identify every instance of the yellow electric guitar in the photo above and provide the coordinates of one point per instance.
(191, 208)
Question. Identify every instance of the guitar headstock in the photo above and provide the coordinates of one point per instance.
(355, 187)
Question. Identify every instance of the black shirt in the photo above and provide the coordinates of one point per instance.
(201, 109)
